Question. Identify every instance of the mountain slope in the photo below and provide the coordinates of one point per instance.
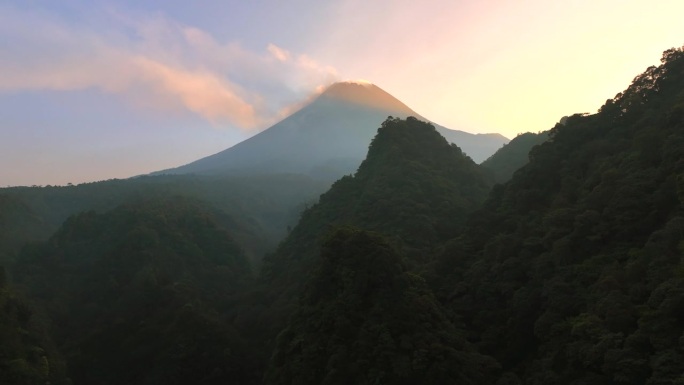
(259, 214)
(365, 319)
(512, 156)
(141, 294)
(573, 272)
(18, 225)
(413, 187)
(26, 353)
(328, 137)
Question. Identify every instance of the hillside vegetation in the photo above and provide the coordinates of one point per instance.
(573, 271)
(513, 155)
(142, 294)
(413, 187)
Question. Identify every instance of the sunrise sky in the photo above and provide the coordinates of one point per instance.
(93, 90)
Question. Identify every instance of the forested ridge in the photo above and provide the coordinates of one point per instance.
(513, 155)
(260, 207)
(417, 268)
(141, 294)
(365, 318)
(27, 354)
(572, 271)
(414, 187)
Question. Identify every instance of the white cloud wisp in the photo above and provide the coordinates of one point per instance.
(156, 63)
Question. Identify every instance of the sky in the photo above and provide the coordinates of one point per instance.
(93, 90)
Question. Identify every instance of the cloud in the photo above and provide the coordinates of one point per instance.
(278, 53)
(294, 107)
(201, 92)
(156, 63)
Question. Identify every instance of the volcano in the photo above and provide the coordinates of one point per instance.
(328, 137)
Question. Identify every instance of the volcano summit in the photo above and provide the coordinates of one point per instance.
(328, 137)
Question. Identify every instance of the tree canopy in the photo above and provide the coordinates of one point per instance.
(572, 272)
(364, 318)
(142, 294)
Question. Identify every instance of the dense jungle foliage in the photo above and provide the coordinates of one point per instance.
(414, 187)
(27, 354)
(572, 272)
(365, 318)
(141, 294)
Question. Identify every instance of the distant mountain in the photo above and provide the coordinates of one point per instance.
(259, 213)
(513, 155)
(328, 137)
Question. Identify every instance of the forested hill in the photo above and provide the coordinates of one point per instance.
(158, 292)
(142, 294)
(18, 224)
(365, 318)
(573, 272)
(259, 213)
(413, 187)
(27, 354)
(513, 155)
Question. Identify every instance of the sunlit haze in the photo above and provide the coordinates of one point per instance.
(93, 90)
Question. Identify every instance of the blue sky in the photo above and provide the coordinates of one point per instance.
(93, 90)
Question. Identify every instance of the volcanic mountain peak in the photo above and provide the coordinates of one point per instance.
(328, 137)
(360, 82)
(367, 94)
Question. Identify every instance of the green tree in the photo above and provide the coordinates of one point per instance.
(363, 318)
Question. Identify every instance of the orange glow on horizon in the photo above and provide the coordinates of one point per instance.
(509, 67)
